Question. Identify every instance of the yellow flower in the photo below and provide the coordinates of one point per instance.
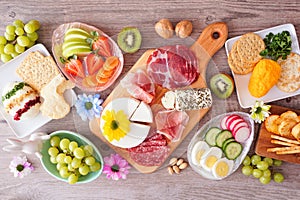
(116, 124)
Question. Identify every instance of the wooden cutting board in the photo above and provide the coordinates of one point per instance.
(264, 139)
(204, 48)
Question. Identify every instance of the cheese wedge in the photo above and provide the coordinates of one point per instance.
(143, 113)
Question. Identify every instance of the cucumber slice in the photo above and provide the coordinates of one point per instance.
(227, 142)
(221, 137)
(233, 150)
(211, 136)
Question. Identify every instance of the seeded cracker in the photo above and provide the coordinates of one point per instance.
(37, 70)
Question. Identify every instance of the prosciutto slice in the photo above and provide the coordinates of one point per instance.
(139, 85)
(171, 123)
(173, 66)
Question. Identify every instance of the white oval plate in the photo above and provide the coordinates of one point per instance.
(215, 122)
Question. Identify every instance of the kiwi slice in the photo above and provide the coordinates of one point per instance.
(222, 85)
(130, 39)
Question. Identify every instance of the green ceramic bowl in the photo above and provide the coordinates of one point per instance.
(81, 140)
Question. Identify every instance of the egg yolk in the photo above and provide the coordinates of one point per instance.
(210, 161)
(199, 154)
(222, 169)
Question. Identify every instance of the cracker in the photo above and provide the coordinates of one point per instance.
(37, 70)
(289, 80)
(249, 47)
(54, 104)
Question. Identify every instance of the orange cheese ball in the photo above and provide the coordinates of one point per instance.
(264, 76)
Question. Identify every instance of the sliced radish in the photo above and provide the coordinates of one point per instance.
(238, 126)
(231, 119)
(242, 134)
(223, 122)
(234, 123)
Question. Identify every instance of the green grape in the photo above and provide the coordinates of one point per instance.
(73, 145)
(267, 173)
(262, 165)
(64, 144)
(18, 23)
(33, 36)
(95, 167)
(10, 29)
(70, 168)
(68, 159)
(255, 159)
(5, 57)
(9, 48)
(75, 163)
(36, 24)
(73, 178)
(60, 158)
(269, 161)
(19, 31)
(265, 180)
(3, 40)
(64, 172)
(19, 49)
(60, 165)
(257, 173)
(1, 48)
(78, 153)
(14, 54)
(23, 41)
(53, 151)
(54, 141)
(89, 160)
(277, 163)
(84, 169)
(53, 160)
(278, 177)
(247, 170)
(88, 150)
(31, 43)
(247, 160)
(29, 28)
(9, 37)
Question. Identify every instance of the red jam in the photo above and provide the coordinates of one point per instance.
(26, 107)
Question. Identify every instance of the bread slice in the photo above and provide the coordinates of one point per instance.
(289, 80)
(296, 131)
(271, 124)
(285, 128)
(37, 70)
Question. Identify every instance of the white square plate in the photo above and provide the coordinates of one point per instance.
(8, 74)
(246, 100)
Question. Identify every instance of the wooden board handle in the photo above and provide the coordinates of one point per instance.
(209, 42)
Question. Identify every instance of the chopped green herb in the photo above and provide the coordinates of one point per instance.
(279, 45)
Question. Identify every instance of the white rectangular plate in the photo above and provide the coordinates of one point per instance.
(246, 100)
(8, 74)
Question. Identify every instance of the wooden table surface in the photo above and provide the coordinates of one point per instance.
(111, 16)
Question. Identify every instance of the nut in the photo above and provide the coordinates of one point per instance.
(173, 161)
(184, 29)
(183, 165)
(176, 169)
(164, 28)
(170, 170)
(179, 162)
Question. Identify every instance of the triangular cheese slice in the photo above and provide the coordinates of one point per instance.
(143, 113)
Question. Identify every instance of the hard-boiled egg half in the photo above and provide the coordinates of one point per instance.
(210, 158)
(222, 168)
(199, 149)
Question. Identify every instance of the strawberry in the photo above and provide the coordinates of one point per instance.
(102, 44)
(74, 67)
(94, 62)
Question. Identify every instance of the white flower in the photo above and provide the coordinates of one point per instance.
(20, 167)
(259, 112)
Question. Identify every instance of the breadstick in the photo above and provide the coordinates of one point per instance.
(292, 151)
(276, 149)
(285, 139)
(282, 143)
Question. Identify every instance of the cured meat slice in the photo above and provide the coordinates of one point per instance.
(139, 85)
(171, 123)
(152, 152)
(173, 66)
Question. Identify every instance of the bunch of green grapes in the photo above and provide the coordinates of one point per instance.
(72, 160)
(17, 38)
(262, 168)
